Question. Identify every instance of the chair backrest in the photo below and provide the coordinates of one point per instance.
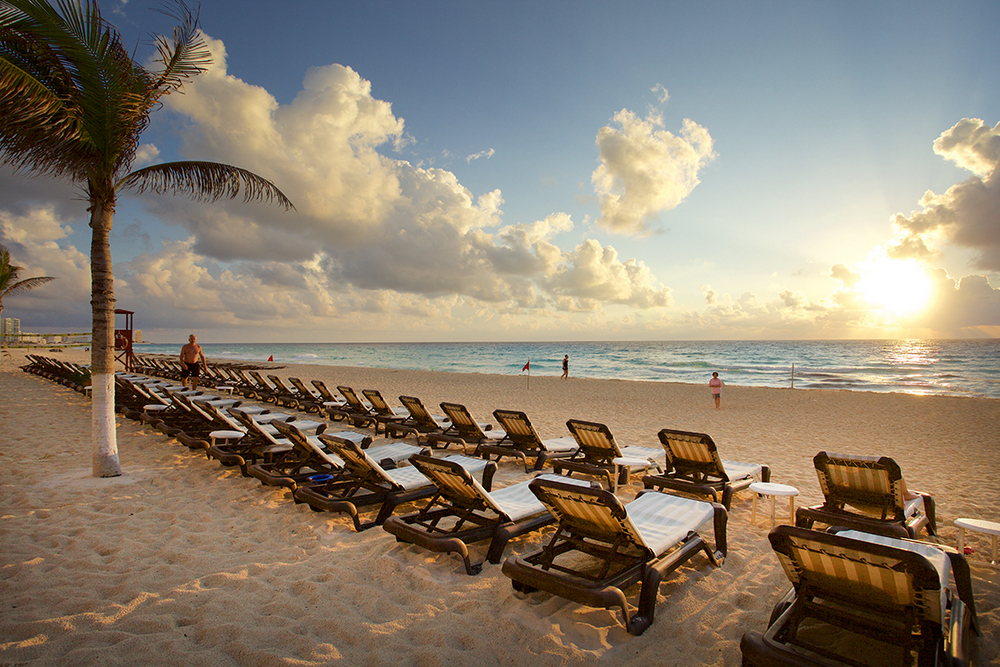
(379, 404)
(325, 393)
(871, 484)
(194, 408)
(519, 429)
(454, 482)
(254, 427)
(304, 445)
(418, 412)
(597, 444)
(278, 384)
(692, 454)
(261, 382)
(883, 579)
(223, 418)
(302, 389)
(463, 423)
(592, 512)
(356, 460)
(353, 401)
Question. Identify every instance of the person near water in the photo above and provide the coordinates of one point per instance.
(565, 375)
(716, 385)
(190, 354)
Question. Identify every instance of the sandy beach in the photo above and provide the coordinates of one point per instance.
(180, 560)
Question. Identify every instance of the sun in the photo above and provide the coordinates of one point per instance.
(899, 286)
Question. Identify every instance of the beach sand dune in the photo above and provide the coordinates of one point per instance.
(182, 561)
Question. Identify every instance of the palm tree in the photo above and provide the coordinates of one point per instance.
(73, 103)
(9, 279)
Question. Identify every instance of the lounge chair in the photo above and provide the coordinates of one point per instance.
(420, 422)
(283, 395)
(463, 512)
(465, 430)
(329, 400)
(364, 482)
(384, 413)
(859, 598)
(352, 409)
(523, 442)
(598, 452)
(310, 457)
(867, 493)
(603, 547)
(308, 401)
(694, 467)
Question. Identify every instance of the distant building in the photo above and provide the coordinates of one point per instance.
(11, 329)
(137, 336)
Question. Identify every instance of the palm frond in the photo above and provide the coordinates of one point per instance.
(204, 181)
(27, 284)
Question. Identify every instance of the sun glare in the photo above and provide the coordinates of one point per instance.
(899, 286)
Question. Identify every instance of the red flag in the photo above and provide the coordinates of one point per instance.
(271, 358)
(527, 366)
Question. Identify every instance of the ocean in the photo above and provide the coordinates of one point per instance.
(942, 367)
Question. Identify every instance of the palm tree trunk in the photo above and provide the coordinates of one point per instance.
(102, 349)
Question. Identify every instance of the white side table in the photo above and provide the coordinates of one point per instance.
(773, 490)
(980, 526)
(628, 463)
(225, 435)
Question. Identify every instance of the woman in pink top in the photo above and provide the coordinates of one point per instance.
(716, 385)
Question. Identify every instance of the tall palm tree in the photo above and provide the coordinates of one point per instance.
(10, 282)
(73, 103)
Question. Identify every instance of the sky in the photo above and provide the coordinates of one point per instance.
(527, 171)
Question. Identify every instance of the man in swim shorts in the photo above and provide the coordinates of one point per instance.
(190, 354)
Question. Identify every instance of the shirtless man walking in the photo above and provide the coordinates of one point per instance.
(190, 354)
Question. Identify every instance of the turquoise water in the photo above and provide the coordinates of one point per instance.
(951, 367)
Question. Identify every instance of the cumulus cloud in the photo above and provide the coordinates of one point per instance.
(645, 170)
(371, 234)
(36, 241)
(966, 215)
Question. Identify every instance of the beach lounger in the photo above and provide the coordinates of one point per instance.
(602, 547)
(867, 493)
(353, 409)
(694, 466)
(464, 511)
(364, 482)
(308, 401)
(859, 598)
(522, 441)
(599, 451)
(305, 456)
(465, 430)
(420, 422)
(329, 400)
(384, 413)
(283, 395)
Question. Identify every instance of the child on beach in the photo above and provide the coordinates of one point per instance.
(716, 385)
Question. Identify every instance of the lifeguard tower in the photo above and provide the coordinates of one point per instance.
(123, 340)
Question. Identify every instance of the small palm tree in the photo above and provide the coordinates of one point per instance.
(10, 283)
(73, 103)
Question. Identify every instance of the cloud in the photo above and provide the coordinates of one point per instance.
(481, 154)
(966, 215)
(36, 241)
(368, 221)
(375, 238)
(661, 93)
(645, 170)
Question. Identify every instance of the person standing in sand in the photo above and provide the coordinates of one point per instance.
(190, 354)
(716, 385)
(565, 375)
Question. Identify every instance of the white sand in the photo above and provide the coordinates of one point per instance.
(183, 561)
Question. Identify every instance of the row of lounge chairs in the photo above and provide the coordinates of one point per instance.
(866, 577)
